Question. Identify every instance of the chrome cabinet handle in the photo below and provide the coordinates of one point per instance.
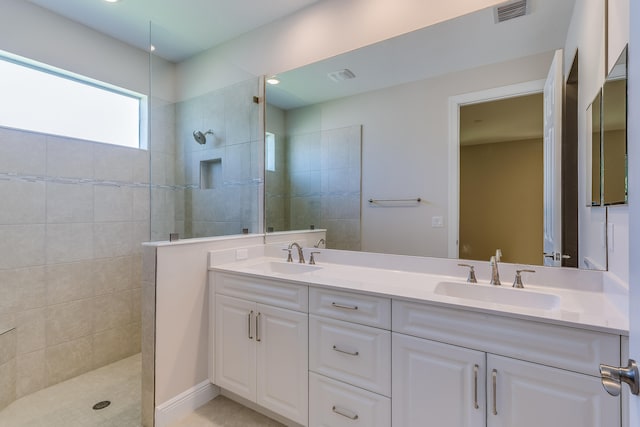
(340, 411)
(258, 327)
(476, 368)
(494, 376)
(345, 352)
(249, 325)
(346, 307)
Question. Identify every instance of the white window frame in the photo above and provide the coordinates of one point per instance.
(67, 127)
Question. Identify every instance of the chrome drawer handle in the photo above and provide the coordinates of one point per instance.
(494, 376)
(346, 307)
(476, 368)
(345, 352)
(258, 327)
(340, 411)
(249, 325)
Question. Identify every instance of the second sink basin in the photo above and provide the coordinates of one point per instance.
(499, 295)
(283, 267)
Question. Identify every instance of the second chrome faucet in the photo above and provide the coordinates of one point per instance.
(493, 262)
(300, 253)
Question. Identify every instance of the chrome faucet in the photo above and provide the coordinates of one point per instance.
(493, 262)
(320, 242)
(300, 254)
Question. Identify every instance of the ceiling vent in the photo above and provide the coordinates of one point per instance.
(340, 75)
(510, 10)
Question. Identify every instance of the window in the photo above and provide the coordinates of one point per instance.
(270, 151)
(38, 98)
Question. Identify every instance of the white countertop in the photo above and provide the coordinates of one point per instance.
(585, 309)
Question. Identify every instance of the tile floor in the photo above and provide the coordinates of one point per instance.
(69, 404)
(223, 412)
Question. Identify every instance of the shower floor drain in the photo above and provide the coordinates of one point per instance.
(101, 405)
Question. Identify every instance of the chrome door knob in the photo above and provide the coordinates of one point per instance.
(613, 377)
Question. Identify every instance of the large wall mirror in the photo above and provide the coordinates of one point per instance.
(608, 160)
(614, 134)
(361, 140)
(594, 113)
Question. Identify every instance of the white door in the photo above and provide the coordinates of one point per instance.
(552, 162)
(634, 200)
(525, 394)
(282, 362)
(441, 383)
(235, 360)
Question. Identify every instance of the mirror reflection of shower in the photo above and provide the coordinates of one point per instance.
(200, 137)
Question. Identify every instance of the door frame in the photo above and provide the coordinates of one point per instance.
(455, 102)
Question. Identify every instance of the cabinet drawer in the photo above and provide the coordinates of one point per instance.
(335, 404)
(364, 309)
(266, 291)
(563, 347)
(356, 354)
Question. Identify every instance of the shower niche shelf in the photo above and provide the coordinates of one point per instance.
(210, 173)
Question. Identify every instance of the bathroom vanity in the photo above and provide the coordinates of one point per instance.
(340, 345)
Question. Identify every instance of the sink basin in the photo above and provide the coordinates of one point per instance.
(499, 295)
(283, 267)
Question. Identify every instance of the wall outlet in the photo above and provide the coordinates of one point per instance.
(242, 254)
(437, 222)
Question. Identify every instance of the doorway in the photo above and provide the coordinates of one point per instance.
(501, 179)
(505, 169)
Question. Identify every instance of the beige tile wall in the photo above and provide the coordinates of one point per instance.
(324, 184)
(233, 204)
(73, 218)
(7, 367)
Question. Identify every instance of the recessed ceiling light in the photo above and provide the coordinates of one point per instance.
(273, 80)
(112, 1)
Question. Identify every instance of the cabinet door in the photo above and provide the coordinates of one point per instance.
(282, 360)
(235, 346)
(531, 395)
(437, 384)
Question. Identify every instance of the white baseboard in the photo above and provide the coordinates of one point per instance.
(185, 403)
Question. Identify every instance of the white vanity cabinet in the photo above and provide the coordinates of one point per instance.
(498, 372)
(526, 394)
(442, 383)
(261, 350)
(349, 359)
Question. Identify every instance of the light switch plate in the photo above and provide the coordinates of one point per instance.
(437, 222)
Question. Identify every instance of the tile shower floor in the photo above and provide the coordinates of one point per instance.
(69, 404)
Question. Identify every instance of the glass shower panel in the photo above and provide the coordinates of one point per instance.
(206, 150)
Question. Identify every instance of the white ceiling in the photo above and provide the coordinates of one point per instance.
(181, 28)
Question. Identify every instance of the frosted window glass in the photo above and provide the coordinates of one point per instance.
(37, 100)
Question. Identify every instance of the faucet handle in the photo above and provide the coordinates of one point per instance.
(289, 257)
(312, 260)
(498, 255)
(517, 282)
(471, 278)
